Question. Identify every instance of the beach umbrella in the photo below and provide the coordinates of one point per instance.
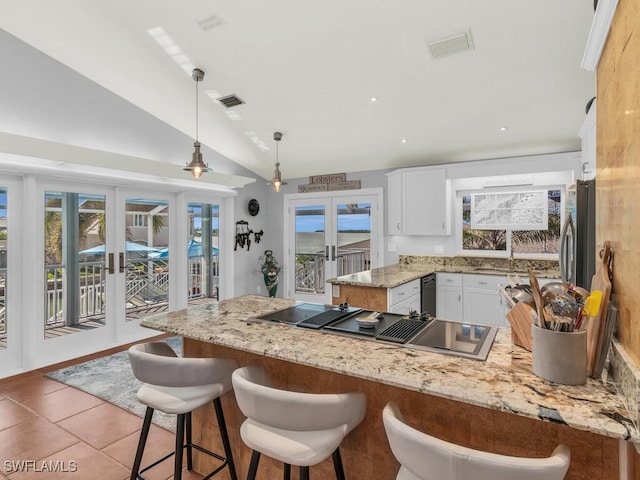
(194, 249)
(130, 247)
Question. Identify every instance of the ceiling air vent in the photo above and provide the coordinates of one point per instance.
(230, 101)
(449, 46)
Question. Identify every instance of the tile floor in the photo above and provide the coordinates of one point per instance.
(58, 427)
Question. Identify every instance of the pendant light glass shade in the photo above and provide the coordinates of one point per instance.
(276, 181)
(197, 166)
(277, 178)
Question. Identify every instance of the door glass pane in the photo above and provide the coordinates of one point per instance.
(310, 249)
(3, 267)
(354, 238)
(74, 234)
(203, 237)
(146, 257)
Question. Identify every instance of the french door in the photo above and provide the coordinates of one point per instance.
(93, 272)
(329, 236)
(11, 334)
(81, 262)
(72, 286)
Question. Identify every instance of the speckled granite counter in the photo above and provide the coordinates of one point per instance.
(504, 382)
(413, 267)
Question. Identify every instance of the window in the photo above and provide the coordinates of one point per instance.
(512, 223)
(138, 220)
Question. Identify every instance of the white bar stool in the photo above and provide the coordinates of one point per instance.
(301, 429)
(178, 385)
(423, 457)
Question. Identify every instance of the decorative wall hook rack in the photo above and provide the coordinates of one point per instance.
(243, 234)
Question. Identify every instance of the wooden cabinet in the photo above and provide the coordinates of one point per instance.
(418, 202)
(449, 296)
(404, 298)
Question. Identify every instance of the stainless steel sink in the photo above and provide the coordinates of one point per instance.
(456, 338)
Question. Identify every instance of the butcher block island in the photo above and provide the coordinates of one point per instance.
(497, 405)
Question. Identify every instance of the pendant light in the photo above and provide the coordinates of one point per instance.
(276, 181)
(197, 167)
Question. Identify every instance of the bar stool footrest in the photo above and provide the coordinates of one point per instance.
(224, 461)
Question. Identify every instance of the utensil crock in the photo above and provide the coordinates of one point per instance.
(559, 357)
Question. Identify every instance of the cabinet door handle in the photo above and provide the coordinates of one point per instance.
(121, 262)
(459, 297)
(326, 252)
(333, 252)
(482, 283)
(442, 225)
(398, 225)
(401, 294)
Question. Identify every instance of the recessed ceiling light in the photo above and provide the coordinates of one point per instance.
(374, 99)
(233, 115)
(404, 140)
(170, 47)
(504, 129)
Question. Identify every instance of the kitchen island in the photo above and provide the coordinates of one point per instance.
(497, 405)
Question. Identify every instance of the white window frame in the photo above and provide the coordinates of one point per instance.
(459, 194)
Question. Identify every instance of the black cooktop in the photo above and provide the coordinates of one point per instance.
(421, 332)
(309, 315)
(351, 325)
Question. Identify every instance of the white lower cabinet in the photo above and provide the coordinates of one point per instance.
(481, 303)
(404, 307)
(404, 298)
(470, 298)
(449, 296)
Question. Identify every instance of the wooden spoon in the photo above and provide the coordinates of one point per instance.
(537, 297)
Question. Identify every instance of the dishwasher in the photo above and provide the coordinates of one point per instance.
(428, 294)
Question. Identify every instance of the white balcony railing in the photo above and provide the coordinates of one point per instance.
(310, 268)
(147, 285)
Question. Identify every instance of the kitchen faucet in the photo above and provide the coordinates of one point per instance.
(511, 261)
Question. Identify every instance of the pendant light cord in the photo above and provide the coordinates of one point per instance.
(196, 110)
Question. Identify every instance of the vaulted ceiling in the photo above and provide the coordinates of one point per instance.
(311, 69)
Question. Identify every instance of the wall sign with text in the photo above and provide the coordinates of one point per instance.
(329, 183)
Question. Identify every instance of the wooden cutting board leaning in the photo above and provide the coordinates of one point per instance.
(595, 324)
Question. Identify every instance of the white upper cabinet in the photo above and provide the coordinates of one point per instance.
(588, 135)
(418, 202)
(394, 203)
(599, 32)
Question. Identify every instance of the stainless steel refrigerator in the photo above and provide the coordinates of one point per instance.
(578, 235)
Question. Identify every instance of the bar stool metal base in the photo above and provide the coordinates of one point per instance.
(304, 470)
(184, 423)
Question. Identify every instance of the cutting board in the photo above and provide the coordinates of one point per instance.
(595, 324)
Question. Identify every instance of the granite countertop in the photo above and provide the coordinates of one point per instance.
(399, 273)
(503, 382)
